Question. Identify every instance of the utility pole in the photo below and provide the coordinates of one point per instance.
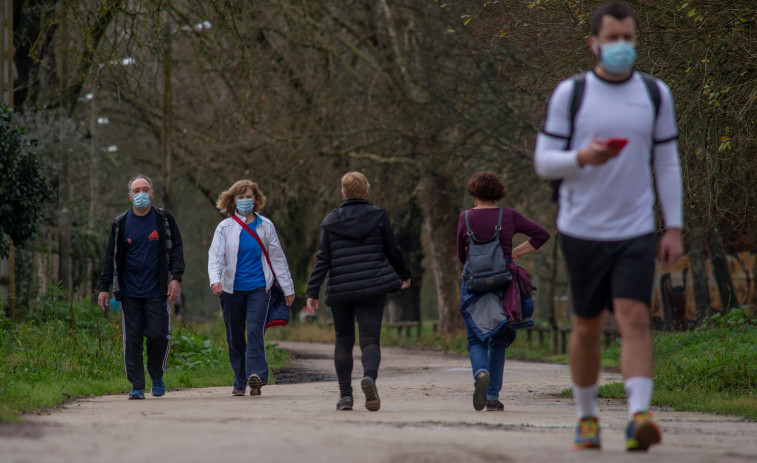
(64, 216)
(7, 92)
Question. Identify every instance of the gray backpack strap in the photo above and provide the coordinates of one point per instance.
(467, 226)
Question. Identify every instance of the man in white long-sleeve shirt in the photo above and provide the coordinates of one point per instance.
(606, 217)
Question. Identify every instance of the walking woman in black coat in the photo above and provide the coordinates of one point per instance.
(359, 252)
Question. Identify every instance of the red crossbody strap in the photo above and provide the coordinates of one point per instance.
(257, 238)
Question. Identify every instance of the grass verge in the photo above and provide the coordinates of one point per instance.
(48, 359)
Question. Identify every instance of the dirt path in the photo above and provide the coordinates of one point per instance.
(426, 416)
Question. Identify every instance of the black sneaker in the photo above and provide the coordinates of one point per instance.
(237, 392)
(255, 384)
(494, 406)
(345, 403)
(372, 401)
(479, 391)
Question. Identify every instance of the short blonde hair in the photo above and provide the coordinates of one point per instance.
(355, 185)
(227, 203)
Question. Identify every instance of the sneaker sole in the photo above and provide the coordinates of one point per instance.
(344, 407)
(255, 384)
(587, 446)
(136, 397)
(645, 436)
(372, 401)
(479, 391)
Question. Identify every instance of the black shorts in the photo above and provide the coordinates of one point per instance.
(601, 271)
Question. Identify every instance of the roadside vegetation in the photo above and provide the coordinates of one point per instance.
(60, 352)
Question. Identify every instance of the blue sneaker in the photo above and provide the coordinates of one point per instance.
(158, 387)
(136, 394)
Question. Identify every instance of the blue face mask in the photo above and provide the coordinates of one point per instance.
(245, 206)
(141, 201)
(617, 57)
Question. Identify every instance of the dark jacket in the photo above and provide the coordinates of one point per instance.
(170, 262)
(359, 252)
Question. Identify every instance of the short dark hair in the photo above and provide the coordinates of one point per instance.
(617, 10)
(486, 186)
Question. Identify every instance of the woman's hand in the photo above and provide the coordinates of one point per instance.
(312, 305)
(289, 300)
(405, 284)
(216, 288)
(522, 250)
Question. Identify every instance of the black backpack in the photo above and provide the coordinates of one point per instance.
(485, 268)
(579, 84)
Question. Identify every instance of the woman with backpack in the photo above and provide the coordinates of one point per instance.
(488, 329)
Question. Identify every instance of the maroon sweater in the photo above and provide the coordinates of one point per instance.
(483, 221)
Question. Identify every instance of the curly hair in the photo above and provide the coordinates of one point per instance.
(486, 186)
(227, 203)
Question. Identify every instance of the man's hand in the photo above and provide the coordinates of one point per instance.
(174, 289)
(312, 305)
(405, 284)
(289, 299)
(216, 288)
(670, 248)
(596, 154)
(102, 300)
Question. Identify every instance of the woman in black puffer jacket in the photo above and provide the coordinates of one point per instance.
(359, 252)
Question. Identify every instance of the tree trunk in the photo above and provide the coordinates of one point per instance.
(720, 270)
(700, 281)
(440, 228)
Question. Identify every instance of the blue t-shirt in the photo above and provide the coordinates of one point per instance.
(139, 277)
(249, 274)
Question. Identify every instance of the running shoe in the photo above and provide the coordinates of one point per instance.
(587, 433)
(642, 432)
(479, 390)
(494, 406)
(372, 401)
(345, 403)
(158, 387)
(136, 394)
(237, 392)
(255, 384)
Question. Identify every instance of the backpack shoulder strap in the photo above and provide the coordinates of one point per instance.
(576, 97)
(654, 91)
(467, 226)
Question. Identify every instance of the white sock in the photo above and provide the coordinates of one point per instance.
(639, 392)
(586, 400)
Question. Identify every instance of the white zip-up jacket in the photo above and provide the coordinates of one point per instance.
(222, 256)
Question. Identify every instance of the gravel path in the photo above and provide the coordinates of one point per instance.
(426, 416)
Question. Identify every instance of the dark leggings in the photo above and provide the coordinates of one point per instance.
(368, 314)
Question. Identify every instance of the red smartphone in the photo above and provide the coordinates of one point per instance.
(616, 143)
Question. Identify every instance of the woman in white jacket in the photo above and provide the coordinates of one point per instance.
(241, 277)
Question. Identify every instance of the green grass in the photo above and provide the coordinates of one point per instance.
(48, 360)
(711, 369)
